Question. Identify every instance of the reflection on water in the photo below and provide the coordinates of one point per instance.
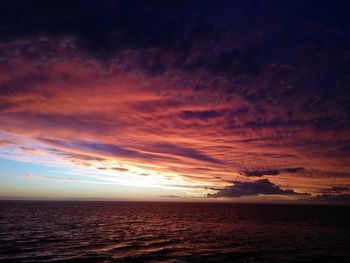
(172, 232)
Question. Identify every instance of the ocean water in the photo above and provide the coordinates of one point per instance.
(172, 232)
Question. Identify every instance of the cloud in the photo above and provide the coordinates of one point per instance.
(260, 173)
(158, 153)
(294, 170)
(181, 89)
(26, 83)
(31, 150)
(31, 176)
(331, 198)
(259, 187)
(173, 196)
(70, 155)
(208, 114)
(176, 150)
(64, 179)
(120, 169)
(27, 176)
(99, 148)
(5, 143)
(336, 190)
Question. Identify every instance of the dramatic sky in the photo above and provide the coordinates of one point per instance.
(175, 100)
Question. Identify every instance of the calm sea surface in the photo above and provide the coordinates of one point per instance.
(172, 232)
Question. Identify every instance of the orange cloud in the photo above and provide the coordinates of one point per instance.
(94, 117)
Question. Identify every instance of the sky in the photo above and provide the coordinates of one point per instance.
(238, 101)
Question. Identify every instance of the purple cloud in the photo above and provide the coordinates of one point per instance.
(263, 187)
(260, 173)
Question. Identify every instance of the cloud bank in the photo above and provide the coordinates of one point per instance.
(185, 90)
(259, 187)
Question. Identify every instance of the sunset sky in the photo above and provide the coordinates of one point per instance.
(244, 101)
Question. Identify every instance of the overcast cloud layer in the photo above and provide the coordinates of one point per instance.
(240, 98)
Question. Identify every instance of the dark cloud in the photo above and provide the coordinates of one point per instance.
(261, 62)
(294, 170)
(76, 156)
(172, 196)
(6, 106)
(256, 85)
(331, 198)
(26, 83)
(91, 122)
(177, 150)
(155, 151)
(120, 169)
(204, 115)
(263, 187)
(100, 148)
(336, 190)
(260, 173)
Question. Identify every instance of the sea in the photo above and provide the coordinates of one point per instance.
(44, 231)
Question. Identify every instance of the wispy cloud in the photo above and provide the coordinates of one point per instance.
(63, 179)
(5, 143)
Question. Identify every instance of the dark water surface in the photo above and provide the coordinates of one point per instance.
(172, 232)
